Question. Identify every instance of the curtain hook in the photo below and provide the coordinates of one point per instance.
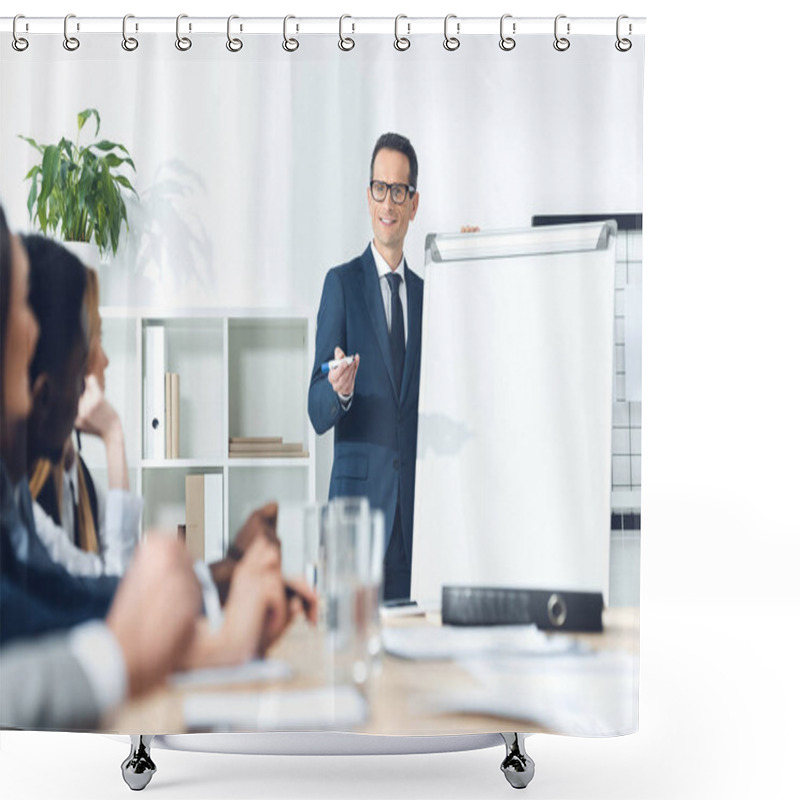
(623, 45)
(401, 43)
(507, 42)
(289, 45)
(561, 43)
(19, 43)
(451, 42)
(183, 43)
(129, 43)
(71, 43)
(345, 42)
(234, 45)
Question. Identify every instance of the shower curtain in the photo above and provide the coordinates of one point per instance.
(243, 154)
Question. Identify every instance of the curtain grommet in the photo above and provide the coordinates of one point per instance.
(129, 43)
(183, 43)
(19, 43)
(561, 43)
(401, 43)
(71, 43)
(289, 44)
(346, 43)
(507, 43)
(233, 44)
(451, 43)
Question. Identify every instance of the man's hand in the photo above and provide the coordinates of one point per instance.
(260, 607)
(343, 378)
(470, 228)
(154, 612)
(262, 522)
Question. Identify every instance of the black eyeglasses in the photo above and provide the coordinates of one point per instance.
(398, 191)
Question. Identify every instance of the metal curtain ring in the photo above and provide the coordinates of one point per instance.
(561, 43)
(234, 45)
(70, 42)
(507, 42)
(557, 610)
(401, 43)
(129, 43)
(183, 43)
(451, 42)
(289, 45)
(623, 45)
(345, 42)
(19, 43)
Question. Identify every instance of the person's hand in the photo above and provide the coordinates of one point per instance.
(154, 611)
(343, 378)
(95, 414)
(262, 522)
(470, 228)
(261, 604)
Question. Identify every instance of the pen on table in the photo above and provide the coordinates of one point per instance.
(337, 362)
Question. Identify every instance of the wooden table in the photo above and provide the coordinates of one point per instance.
(400, 696)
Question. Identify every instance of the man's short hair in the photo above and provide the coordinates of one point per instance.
(398, 142)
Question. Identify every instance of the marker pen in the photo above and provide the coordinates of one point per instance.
(337, 362)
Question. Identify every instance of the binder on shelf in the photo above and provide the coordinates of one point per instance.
(154, 392)
(549, 610)
(204, 516)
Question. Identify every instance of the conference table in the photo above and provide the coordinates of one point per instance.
(403, 696)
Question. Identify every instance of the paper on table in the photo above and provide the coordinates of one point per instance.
(437, 643)
(594, 695)
(257, 670)
(329, 707)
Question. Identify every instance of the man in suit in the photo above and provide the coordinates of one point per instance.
(371, 308)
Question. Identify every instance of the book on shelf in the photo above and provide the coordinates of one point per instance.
(204, 516)
(173, 421)
(255, 440)
(263, 448)
(154, 433)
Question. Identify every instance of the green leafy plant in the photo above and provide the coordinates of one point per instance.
(77, 192)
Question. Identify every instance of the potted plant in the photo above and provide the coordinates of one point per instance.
(77, 192)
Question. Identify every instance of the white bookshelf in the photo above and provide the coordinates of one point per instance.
(243, 372)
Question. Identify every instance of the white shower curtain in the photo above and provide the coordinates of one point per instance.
(251, 175)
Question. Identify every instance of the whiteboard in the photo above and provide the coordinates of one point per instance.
(513, 473)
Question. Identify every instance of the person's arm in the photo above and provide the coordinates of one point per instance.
(325, 407)
(119, 515)
(62, 550)
(98, 417)
(46, 687)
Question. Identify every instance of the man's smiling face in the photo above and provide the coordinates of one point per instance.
(389, 219)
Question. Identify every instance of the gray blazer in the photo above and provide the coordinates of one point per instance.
(42, 686)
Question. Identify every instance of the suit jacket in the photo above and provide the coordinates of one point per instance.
(375, 440)
(36, 594)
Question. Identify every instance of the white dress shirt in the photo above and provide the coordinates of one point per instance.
(119, 514)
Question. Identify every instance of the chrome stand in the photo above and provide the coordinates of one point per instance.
(138, 768)
(517, 766)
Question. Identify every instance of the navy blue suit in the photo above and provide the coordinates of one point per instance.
(375, 439)
(37, 595)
